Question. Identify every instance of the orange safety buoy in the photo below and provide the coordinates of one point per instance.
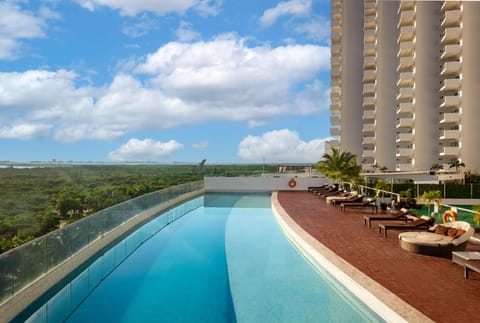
(449, 216)
(292, 183)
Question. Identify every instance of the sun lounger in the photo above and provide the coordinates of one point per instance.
(367, 203)
(399, 216)
(418, 224)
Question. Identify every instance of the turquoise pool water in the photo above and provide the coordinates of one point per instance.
(226, 260)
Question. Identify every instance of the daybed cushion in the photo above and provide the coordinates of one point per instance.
(425, 238)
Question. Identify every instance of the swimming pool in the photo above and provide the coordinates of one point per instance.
(225, 260)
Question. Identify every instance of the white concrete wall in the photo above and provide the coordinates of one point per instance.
(260, 184)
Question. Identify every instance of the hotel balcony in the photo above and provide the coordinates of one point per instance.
(335, 61)
(405, 123)
(450, 151)
(406, 63)
(336, 38)
(450, 135)
(405, 107)
(335, 120)
(451, 5)
(335, 73)
(336, 3)
(406, 79)
(336, 27)
(335, 109)
(335, 97)
(405, 93)
(336, 13)
(367, 11)
(370, 22)
(370, 62)
(368, 140)
(451, 69)
(406, 5)
(450, 118)
(451, 85)
(370, 36)
(369, 88)
(369, 75)
(407, 18)
(368, 115)
(368, 153)
(336, 50)
(368, 127)
(369, 49)
(335, 132)
(452, 18)
(404, 167)
(404, 152)
(452, 35)
(369, 101)
(450, 101)
(407, 33)
(404, 137)
(407, 48)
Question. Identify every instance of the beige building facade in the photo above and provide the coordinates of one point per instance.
(404, 83)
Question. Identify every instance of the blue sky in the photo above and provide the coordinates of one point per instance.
(164, 80)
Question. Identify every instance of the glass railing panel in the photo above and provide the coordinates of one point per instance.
(108, 262)
(23, 265)
(79, 289)
(58, 307)
(57, 248)
(6, 276)
(95, 228)
(95, 275)
(78, 236)
(29, 263)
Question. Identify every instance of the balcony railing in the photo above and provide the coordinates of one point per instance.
(23, 265)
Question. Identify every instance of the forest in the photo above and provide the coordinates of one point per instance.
(40, 199)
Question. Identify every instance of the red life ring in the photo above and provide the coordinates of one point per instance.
(292, 183)
(449, 216)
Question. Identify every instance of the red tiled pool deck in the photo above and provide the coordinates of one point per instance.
(434, 286)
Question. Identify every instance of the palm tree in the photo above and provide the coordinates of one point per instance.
(339, 166)
(456, 163)
(375, 167)
(430, 197)
(436, 167)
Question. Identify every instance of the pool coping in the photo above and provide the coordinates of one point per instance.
(386, 304)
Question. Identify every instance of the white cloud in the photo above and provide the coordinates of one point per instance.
(185, 33)
(24, 131)
(292, 7)
(181, 84)
(144, 150)
(140, 28)
(200, 145)
(134, 7)
(17, 25)
(317, 28)
(280, 146)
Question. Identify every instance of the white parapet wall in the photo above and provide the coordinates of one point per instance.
(261, 184)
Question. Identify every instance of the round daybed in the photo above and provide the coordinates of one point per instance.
(438, 241)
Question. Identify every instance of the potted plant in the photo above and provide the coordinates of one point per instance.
(382, 186)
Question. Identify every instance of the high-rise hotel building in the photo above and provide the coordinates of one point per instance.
(405, 82)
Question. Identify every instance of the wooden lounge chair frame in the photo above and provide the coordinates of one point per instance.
(416, 225)
(367, 204)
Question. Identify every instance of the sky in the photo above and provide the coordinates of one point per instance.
(230, 81)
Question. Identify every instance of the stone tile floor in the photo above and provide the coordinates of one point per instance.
(435, 286)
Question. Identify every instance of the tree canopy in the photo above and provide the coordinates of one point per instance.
(339, 166)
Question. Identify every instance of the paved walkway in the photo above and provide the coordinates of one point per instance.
(435, 286)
